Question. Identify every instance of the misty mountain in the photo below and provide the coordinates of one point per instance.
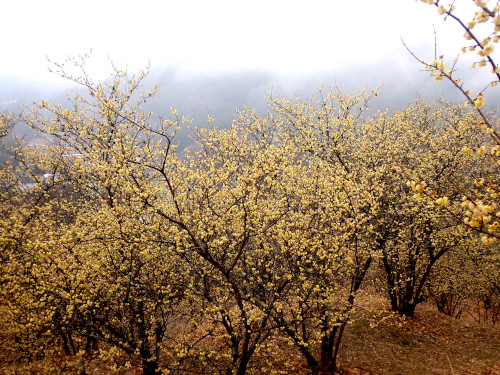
(196, 95)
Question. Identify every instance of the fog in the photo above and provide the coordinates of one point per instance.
(212, 58)
(196, 95)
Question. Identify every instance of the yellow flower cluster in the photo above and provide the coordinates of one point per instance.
(268, 226)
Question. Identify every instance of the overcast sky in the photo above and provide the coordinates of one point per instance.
(288, 36)
(217, 55)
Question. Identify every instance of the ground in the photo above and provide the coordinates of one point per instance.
(376, 343)
(429, 343)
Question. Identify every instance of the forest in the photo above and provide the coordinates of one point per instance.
(255, 249)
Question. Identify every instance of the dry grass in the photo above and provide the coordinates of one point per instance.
(429, 343)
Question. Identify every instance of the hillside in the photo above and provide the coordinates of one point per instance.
(429, 343)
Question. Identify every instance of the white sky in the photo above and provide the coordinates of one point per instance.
(288, 36)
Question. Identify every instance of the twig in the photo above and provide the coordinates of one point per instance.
(451, 367)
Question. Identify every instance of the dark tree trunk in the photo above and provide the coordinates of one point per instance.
(149, 366)
(407, 308)
(242, 368)
(324, 369)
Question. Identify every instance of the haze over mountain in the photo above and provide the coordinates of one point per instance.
(213, 58)
(220, 94)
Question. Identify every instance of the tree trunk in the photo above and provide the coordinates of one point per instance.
(407, 308)
(242, 368)
(324, 369)
(149, 366)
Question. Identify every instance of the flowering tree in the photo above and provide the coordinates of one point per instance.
(5, 124)
(482, 33)
(422, 141)
(114, 243)
(481, 188)
(81, 249)
(120, 247)
(377, 154)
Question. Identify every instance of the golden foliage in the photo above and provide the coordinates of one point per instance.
(115, 244)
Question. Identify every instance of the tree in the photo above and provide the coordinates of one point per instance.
(228, 199)
(330, 252)
(116, 245)
(480, 188)
(379, 153)
(276, 233)
(123, 248)
(80, 247)
(464, 284)
(126, 249)
(421, 140)
(5, 124)
(482, 33)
